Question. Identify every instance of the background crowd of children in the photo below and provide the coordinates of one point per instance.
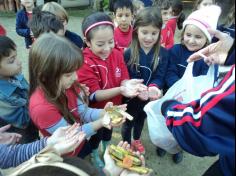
(127, 61)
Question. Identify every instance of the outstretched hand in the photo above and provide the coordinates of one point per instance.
(215, 53)
(66, 139)
(132, 88)
(8, 138)
(110, 165)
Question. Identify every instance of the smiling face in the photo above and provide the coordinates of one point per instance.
(10, 66)
(102, 42)
(205, 3)
(124, 18)
(194, 39)
(148, 36)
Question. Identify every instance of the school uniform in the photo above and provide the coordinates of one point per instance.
(172, 23)
(100, 74)
(123, 39)
(151, 78)
(167, 37)
(178, 56)
(14, 107)
(74, 38)
(47, 117)
(22, 29)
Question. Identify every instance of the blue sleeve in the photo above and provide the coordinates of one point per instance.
(74, 38)
(88, 114)
(205, 127)
(86, 128)
(172, 70)
(14, 155)
(231, 57)
(158, 77)
(21, 25)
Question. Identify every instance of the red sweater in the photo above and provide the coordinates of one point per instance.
(2, 31)
(172, 24)
(100, 74)
(167, 37)
(123, 39)
(45, 114)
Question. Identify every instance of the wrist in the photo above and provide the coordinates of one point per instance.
(106, 172)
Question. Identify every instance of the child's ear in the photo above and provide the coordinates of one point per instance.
(88, 43)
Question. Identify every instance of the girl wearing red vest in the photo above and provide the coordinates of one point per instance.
(104, 72)
(56, 99)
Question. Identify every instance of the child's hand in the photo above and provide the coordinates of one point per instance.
(143, 96)
(66, 139)
(108, 122)
(129, 173)
(86, 89)
(132, 88)
(8, 138)
(154, 93)
(110, 165)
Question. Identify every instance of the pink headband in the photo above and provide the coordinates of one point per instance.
(98, 24)
(204, 24)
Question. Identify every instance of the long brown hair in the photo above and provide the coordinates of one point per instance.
(148, 16)
(50, 57)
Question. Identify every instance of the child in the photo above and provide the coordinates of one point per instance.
(22, 18)
(44, 22)
(138, 6)
(167, 36)
(14, 93)
(178, 16)
(123, 16)
(145, 61)
(55, 96)
(104, 72)
(203, 3)
(61, 13)
(194, 37)
(2, 31)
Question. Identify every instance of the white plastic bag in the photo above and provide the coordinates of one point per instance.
(187, 89)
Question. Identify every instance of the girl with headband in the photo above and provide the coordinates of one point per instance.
(105, 73)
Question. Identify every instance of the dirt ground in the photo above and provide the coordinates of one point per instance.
(191, 166)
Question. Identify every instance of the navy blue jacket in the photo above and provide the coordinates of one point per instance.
(74, 38)
(145, 70)
(206, 127)
(228, 30)
(22, 28)
(178, 56)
